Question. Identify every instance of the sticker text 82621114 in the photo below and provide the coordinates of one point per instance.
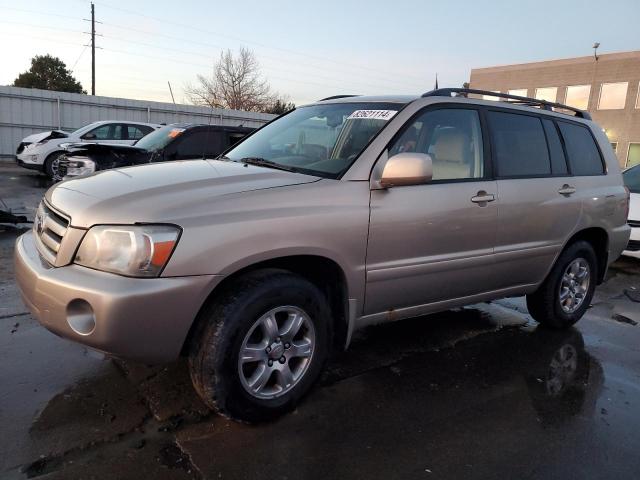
(374, 114)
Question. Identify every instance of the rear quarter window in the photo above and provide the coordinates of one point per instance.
(583, 153)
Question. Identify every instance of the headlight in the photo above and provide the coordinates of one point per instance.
(136, 250)
(76, 168)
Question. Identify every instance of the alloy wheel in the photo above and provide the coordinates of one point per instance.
(276, 352)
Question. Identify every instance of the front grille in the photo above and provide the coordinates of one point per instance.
(633, 246)
(63, 165)
(21, 147)
(49, 228)
(634, 223)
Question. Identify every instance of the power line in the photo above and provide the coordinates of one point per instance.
(182, 39)
(169, 22)
(261, 56)
(84, 49)
(359, 84)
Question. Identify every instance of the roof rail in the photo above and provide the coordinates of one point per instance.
(532, 102)
(336, 97)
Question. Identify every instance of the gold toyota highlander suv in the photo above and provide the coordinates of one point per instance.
(348, 212)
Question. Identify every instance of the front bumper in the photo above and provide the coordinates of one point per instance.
(30, 166)
(143, 319)
(634, 241)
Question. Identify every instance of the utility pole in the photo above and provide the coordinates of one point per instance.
(93, 50)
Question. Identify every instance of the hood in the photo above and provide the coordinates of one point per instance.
(86, 147)
(38, 137)
(161, 192)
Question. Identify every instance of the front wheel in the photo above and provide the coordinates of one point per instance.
(51, 165)
(261, 345)
(567, 291)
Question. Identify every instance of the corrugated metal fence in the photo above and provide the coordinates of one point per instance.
(24, 111)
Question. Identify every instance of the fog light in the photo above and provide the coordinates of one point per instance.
(80, 317)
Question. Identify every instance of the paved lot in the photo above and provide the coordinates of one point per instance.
(477, 392)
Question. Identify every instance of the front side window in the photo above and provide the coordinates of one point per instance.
(613, 96)
(453, 139)
(322, 140)
(519, 144)
(581, 148)
(578, 96)
(200, 144)
(105, 132)
(160, 138)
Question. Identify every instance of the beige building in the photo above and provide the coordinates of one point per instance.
(608, 87)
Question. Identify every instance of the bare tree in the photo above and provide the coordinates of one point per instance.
(236, 83)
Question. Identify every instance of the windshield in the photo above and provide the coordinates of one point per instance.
(322, 140)
(631, 179)
(159, 138)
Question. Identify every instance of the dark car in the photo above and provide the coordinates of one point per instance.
(179, 141)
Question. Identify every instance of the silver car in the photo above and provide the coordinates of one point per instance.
(341, 214)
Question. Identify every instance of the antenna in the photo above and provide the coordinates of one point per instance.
(206, 143)
(171, 92)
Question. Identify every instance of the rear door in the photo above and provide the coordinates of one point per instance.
(538, 207)
(434, 242)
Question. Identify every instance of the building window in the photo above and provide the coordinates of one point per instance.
(520, 92)
(633, 156)
(613, 96)
(491, 97)
(550, 94)
(614, 145)
(578, 96)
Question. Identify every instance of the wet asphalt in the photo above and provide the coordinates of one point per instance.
(477, 392)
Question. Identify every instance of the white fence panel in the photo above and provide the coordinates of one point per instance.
(24, 111)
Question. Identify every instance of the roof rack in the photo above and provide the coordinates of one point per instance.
(516, 99)
(336, 97)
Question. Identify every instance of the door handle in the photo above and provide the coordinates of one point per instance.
(482, 198)
(567, 190)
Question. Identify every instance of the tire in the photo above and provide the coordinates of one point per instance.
(49, 166)
(546, 305)
(233, 321)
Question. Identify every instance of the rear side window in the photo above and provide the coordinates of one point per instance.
(558, 162)
(136, 132)
(582, 151)
(520, 146)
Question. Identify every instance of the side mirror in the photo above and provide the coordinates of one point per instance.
(89, 136)
(407, 169)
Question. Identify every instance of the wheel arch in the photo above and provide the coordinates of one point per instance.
(599, 240)
(323, 272)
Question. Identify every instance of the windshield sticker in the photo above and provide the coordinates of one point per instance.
(175, 132)
(374, 114)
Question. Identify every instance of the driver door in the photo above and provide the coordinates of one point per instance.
(434, 242)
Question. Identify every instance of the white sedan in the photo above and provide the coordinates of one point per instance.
(631, 178)
(41, 151)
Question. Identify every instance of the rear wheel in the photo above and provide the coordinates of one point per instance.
(261, 345)
(51, 166)
(567, 291)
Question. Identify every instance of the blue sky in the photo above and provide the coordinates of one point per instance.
(307, 49)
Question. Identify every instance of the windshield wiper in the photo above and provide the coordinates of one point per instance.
(263, 162)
